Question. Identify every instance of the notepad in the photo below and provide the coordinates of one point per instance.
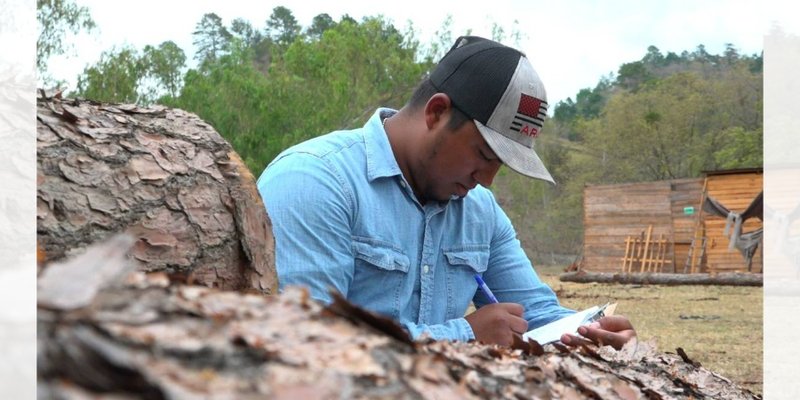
(552, 332)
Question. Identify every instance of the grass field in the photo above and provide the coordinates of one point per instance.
(718, 326)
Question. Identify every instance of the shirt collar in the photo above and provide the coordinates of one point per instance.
(380, 158)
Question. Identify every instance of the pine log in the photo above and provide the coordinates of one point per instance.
(161, 174)
(149, 339)
(723, 278)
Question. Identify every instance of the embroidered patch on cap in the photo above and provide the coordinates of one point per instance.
(530, 115)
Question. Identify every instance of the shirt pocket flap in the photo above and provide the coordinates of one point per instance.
(381, 255)
(476, 259)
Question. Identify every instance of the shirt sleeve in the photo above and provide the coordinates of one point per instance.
(309, 207)
(513, 279)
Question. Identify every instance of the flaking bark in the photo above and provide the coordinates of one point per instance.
(149, 339)
(160, 174)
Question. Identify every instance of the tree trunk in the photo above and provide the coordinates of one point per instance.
(150, 340)
(726, 278)
(161, 174)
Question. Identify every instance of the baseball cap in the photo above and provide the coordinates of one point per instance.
(498, 88)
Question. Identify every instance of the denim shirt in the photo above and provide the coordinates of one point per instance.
(344, 217)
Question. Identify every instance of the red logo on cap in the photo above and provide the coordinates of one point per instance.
(529, 105)
(530, 115)
(529, 130)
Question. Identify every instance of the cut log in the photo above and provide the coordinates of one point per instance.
(150, 340)
(724, 279)
(160, 174)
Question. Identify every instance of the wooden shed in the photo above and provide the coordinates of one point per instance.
(735, 190)
(662, 226)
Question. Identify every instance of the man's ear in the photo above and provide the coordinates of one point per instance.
(437, 110)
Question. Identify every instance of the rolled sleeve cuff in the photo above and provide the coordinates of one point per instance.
(455, 329)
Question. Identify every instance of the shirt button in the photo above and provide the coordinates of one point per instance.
(425, 269)
(403, 183)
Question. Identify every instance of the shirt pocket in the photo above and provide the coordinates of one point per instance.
(463, 263)
(380, 276)
(380, 254)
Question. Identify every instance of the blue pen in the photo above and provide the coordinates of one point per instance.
(485, 289)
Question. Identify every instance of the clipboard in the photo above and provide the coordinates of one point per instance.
(552, 332)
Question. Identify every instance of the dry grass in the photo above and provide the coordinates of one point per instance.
(718, 326)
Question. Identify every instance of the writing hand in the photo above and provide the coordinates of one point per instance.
(496, 323)
(613, 330)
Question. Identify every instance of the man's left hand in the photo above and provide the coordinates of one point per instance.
(613, 330)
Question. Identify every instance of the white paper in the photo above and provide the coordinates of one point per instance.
(552, 332)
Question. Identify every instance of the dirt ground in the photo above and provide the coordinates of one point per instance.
(718, 326)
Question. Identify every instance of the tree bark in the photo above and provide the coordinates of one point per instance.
(726, 278)
(161, 174)
(147, 339)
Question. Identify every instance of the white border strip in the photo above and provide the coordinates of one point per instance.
(782, 229)
(17, 200)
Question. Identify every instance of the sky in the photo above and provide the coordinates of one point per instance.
(572, 44)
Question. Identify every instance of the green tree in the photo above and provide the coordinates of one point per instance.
(731, 55)
(211, 38)
(653, 57)
(442, 41)
(589, 103)
(632, 75)
(345, 75)
(244, 31)
(312, 87)
(54, 19)
(128, 76)
(652, 134)
(347, 18)
(498, 32)
(252, 38)
(678, 126)
(320, 24)
(700, 54)
(740, 149)
(114, 78)
(672, 58)
(282, 26)
(164, 66)
(757, 63)
(565, 111)
(236, 98)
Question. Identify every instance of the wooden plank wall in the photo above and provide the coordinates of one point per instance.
(685, 193)
(613, 212)
(735, 192)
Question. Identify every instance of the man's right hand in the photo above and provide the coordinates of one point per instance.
(497, 323)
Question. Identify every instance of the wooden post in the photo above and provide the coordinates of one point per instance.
(627, 254)
(640, 243)
(662, 253)
(655, 254)
(697, 259)
(646, 248)
(698, 228)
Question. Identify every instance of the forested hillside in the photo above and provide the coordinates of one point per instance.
(267, 87)
(661, 117)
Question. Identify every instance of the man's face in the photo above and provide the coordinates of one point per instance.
(455, 162)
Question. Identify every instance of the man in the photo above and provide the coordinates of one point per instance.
(396, 215)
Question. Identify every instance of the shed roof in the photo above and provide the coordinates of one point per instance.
(757, 170)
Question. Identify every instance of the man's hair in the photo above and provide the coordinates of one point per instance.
(424, 92)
